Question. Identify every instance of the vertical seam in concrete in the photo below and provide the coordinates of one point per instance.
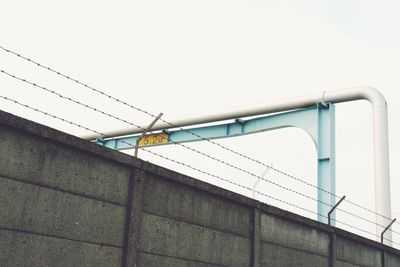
(128, 208)
(256, 238)
(252, 236)
(384, 261)
(332, 249)
(135, 213)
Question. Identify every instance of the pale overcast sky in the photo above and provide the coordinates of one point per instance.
(190, 57)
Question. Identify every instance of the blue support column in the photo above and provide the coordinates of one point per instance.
(326, 159)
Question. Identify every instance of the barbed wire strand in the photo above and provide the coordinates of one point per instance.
(268, 196)
(188, 131)
(151, 152)
(174, 142)
(228, 164)
(185, 146)
(192, 167)
(48, 114)
(161, 119)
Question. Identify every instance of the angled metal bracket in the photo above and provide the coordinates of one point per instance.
(144, 133)
(387, 228)
(333, 208)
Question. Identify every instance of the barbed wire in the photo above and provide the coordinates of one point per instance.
(279, 200)
(174, 142)
(185, 146)
(153, 153)
(69, 99)
(186, 130)
(184, 164)
(163, 120)
(48, 114)
(195, 169)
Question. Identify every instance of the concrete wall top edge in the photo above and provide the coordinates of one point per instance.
(365, 241)
(64, 139)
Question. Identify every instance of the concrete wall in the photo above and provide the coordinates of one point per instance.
(67, 202)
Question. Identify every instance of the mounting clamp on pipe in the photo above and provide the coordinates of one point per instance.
(333, 208)
(323, 103)
(387, 228)
(144, 133)
(100, 139)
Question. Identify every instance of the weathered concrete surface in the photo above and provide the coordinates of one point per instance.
(60, 205)
(292, 235)
(67, 202)
(352, 252)
(392, 260)
(206, 220)
(276, 255)
(40, 161)
(19, 249)
(163, 236)
(346, 264)
(286, 243)
(183, 203)
(36, 209)
(151, 260)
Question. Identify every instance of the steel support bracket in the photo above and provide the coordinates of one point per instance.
(333, 209)
(387, 228)
(318, 121)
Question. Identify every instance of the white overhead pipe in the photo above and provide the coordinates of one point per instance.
(380, 125)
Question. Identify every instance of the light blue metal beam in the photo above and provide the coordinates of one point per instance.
(318, 122)
(303, 118)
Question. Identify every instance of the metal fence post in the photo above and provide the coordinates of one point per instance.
(333, 208)
(144, 133)
(387, 228)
